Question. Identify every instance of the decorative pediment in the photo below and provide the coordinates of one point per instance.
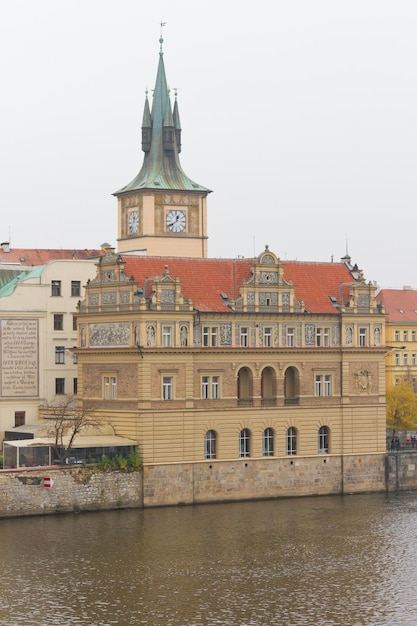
(267, 290)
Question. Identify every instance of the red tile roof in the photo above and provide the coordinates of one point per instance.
(204, 280)
(400, 305)
(29, 257)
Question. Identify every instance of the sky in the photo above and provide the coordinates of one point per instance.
(299, 115)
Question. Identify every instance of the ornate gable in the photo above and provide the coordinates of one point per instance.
(267, 290)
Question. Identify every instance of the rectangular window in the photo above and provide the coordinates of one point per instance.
(60, 386)
(19, 418)
(167, 336)
(58, 321)
(167, 387)
(322, 337)
(209, 336)
(413, 335)
(397, 335)
(323, 385)
(405, 358)
(76, 288)
(56, 288)
(210, 387)
(397, 358)
(74, 322)
(215, 387)
(59, 355)
(214, 337)
(110, 387)
(205, 387)
(75, 359)
(414, 359)
(244, 338)
(362, 337)
(290, 337)
(405, 335)
(267, 337)
(75, 386)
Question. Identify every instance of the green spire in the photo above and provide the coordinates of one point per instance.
(161, 142)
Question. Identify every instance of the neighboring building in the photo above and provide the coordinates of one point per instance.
(217, 365)
(400, 307)
(38, 328)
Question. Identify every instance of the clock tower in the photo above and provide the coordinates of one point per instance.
(162, 212)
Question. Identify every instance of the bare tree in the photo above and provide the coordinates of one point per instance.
(67, 419)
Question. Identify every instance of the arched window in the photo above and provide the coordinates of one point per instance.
(268, 387)
(291, 386)
(244, 443)
(268, 442)
(244, 387)
(291, 443)
(210, 439)
(324, 434)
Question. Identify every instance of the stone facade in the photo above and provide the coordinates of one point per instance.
(83, 489)
(72, 490)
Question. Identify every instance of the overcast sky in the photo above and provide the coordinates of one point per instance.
(300, 115)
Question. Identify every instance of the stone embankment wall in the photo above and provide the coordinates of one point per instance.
(24, 492)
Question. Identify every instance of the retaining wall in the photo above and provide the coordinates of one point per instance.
(23, 492)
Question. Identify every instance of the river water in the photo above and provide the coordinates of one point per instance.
(345, 561)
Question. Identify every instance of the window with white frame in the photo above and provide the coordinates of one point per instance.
(323, 385)
(323, 337)
(397, 335)
(413, 359)
(210, 387)
(267, 337)
(397, 358)
(60, 355)
(268, 442)
(244, 336)
(413, 335)
(210, 440)
(244, 443)
(167, 336)
(405, 358)
(405, 335)
(167, 387)
(290, 337)
(210, 336)
(110, 387)
(291, 441)
(362, 337)
(323, 443)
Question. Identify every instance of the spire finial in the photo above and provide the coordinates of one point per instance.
(161, 40)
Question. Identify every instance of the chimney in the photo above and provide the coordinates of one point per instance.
(5, 246)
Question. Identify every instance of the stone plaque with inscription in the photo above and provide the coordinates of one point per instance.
(19, 358)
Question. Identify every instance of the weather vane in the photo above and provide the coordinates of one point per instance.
(161, 41)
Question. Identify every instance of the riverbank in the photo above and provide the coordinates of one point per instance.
(49, 490)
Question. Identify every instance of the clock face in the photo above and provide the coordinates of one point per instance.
(133, 221)
(176, 221)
